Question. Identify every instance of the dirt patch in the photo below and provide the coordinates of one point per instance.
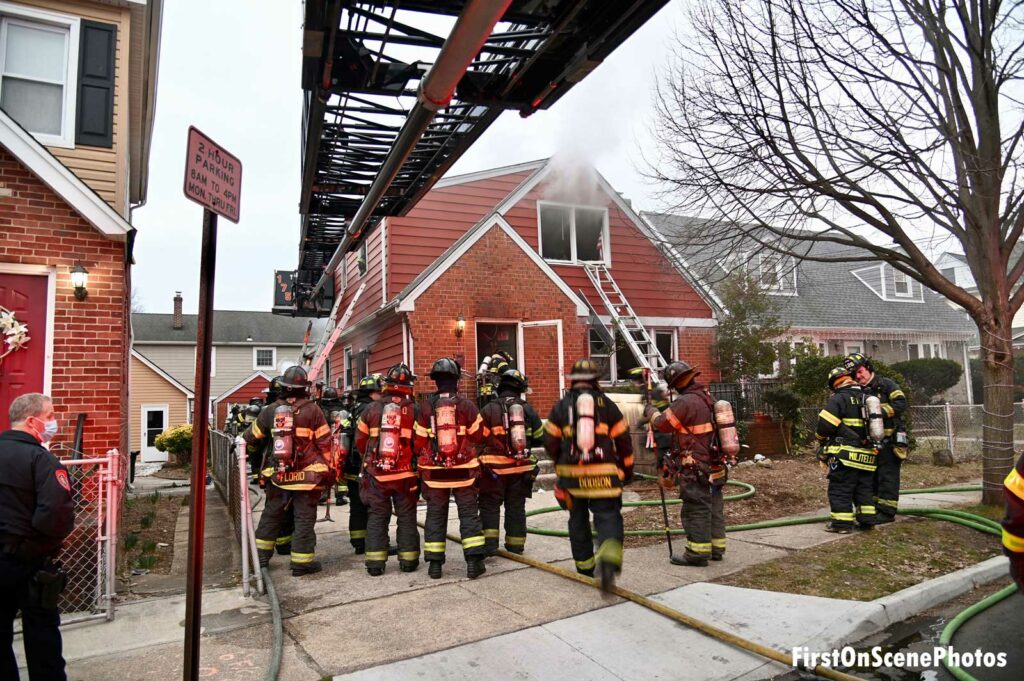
(788, 487)
(174, 473)
(147, 532)
(876, 563)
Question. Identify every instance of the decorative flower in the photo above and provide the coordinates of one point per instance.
(15, 333)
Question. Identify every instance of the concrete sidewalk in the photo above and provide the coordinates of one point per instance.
(512, 621)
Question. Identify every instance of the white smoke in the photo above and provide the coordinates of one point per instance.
(573, 180)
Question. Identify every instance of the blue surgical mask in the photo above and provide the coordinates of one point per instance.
(49, 430)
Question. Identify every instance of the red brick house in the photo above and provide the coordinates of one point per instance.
(504, 251)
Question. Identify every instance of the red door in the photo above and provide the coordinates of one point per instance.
(22, 371)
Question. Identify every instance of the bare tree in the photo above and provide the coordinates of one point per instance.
(865, 123)
(136, 301)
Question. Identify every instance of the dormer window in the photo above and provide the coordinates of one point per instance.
(901, 285)
(776, 273)
(573, 234)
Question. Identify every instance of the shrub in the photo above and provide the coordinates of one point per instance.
(978, 380)
(145, 562)
(146, 521)
(176, 441)
(149, 546)
(130, 541)
(927, 379)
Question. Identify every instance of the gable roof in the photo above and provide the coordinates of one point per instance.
(407, 297)
(829, 295)
(246, 381)
(55, 175)
(489, 173)
(229, 327)
(161, 373)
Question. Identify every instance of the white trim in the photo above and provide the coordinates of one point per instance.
(488, 174)
(896, 274)
(524, 188)
(30, 15)
(408, 303)
(384, 262)
(166, 409)
(51, 311)
(405, 340)
(967, 373)
(690, 322)
(881, 278)
(561, 350)
(161, 373)
(346, 357)
(606, 240)
(55, 175)
(850, 348)
(255, 351)
(239, 386)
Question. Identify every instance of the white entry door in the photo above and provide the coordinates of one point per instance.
(154, 422)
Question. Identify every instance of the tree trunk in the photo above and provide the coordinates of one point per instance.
(997, 431)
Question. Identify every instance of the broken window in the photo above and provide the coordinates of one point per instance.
(589, 234)
(601, 353)
(572, 233)
(556, 232)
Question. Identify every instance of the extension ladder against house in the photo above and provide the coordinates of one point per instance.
(624, 318)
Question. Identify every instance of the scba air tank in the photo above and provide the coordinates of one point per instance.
(725, 423)
(585, 425)
(283, 434)
(517, 429)
(876, 425)
(390, 447)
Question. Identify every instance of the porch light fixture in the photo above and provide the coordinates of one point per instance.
(460, 326)
(80, 280)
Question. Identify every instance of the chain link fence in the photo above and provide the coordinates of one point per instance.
(225, 474)
(956, 427)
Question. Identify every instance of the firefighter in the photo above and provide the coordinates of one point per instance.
(848, 454)
(695, 463)
(490, 373)
(386, 435)
(338, 418)
(302, 463)
(893, 449)
(1013, 522)
(233, 424)
(660, 400)
(449, 467)
(589, 441)
(510, 428)
(262, 466)
(367, 393)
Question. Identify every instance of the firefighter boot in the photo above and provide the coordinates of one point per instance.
(434, 569)
(375, 571)
(310, 568)
(692, 561)
(359, 545)
(475, 567)
(408, 565)
(609, 562)
(264, 556)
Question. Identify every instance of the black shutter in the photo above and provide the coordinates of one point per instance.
(95, 117)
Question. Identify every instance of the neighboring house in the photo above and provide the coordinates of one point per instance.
(157, 400)
(77, 93)
(955, 268)
(249, 348)
(849, 307)
(495, 261)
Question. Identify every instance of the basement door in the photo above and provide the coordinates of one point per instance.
(23, 371)
(543, 363)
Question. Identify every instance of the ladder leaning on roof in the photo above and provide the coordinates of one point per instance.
(624, 318)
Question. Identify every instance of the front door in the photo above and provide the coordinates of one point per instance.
(23, 371)
(154, 422)
(492, 338)
(543, 363)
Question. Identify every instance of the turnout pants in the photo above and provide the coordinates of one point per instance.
(703, 515)
(886, 484)
(610, 532)
(285, 522)
(436, 526)
(510, 491)
(357, 516)
(849, 495)
(379, 498)
(40, 626)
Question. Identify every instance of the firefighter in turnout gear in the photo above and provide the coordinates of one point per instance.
(301, 461)
(849, 454)
(695, 463)
(262, 466)
(659, 400)
(510, 428)
(588, 439)
(489, 375)
(893, 449)
(386, 436)
(1013, 522)
(368, 392)
(340, 420)
(449, 467)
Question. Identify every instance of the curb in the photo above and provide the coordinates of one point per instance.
(904, 604)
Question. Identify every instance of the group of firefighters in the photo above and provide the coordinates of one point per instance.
(386, 449)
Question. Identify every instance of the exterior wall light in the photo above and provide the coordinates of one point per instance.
(460, 326)
(80, 280)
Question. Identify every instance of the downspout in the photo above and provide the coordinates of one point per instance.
(472, 28)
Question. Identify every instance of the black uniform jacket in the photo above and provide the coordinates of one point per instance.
(894, 402)
(841, 427)
(461, 469)
(36, 508)
(354, 460)
(1013, 523)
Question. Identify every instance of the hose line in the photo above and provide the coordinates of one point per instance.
(274, 668)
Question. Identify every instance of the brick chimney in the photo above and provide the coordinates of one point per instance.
(177, 324)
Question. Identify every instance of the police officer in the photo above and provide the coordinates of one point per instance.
(510, 428)
(301, 459)
(1013, 522)
(36, 515)
(893, 449)
(449, 467)
(387, 436)
(695, 463)
(368, 392)
(849, 455)
(659, 399)
(589, 441)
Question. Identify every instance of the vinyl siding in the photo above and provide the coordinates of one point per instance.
(149, 387)
(233, 365)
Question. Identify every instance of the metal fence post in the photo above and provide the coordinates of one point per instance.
(949, 429)
(243, 531)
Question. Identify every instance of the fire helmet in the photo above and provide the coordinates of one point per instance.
(400, 378)
(856, 359)
(836, 375)
(329, 394)
(445, 367)
(585, 370)
(679, 374)
(369, 384)
(295, 380)
(514, 379)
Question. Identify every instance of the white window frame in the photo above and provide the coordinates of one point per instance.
(850, 348)
(613, 364)
(362, 259)
(935, 347)
(256, 366)
(348, 356)
(606, 244)
(898, 278)
(785, 270)
(213, 360)
(675, 340)
(37, 18)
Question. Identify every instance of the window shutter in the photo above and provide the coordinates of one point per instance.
(95, 116)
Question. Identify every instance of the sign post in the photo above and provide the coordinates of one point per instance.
(213, 179)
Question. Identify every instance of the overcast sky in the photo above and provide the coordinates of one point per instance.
(231, 68)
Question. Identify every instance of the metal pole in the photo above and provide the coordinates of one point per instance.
(113, 503)
(247, 512)
(200, 433)
(243, 530)
(949, 429)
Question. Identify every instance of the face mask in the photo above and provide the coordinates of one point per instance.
(49, 430)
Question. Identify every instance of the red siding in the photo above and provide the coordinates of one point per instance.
(382, 338)
(370, 299)
(90, 337)
(253, 388)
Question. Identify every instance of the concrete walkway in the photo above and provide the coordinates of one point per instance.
(512, 622)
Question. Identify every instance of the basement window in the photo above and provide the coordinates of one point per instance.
(574, 234)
